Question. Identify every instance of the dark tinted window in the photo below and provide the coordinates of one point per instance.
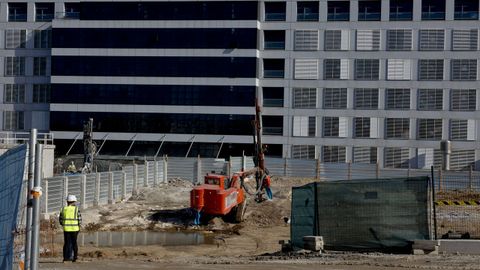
(466, 9)
(185, 123)
(338, 11)
(224, 38)
(175, 10)
(72, 10)
(205, 95)
(369, 10)
(240, 67)
(275, 11)
(171, 149)
(401, 10)
(433, 9)
(17, 12)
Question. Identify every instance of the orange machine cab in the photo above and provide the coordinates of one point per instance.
(218, 195)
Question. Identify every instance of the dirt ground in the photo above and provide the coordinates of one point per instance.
(253, 243)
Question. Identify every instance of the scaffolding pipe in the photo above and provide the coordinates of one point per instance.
(71, 146)
(160, 147)
(104, 140)
(191, 144)
(221, 145)
(131, 145)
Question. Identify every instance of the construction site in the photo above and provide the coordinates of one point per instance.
(210, 213)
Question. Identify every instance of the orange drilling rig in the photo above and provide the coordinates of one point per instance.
(222, 196)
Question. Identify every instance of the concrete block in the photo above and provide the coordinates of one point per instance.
(314, 243)
(425, 244)
(421, 247)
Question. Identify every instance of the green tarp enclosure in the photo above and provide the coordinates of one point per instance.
(371, 214)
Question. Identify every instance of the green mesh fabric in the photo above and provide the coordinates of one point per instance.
(362, 214)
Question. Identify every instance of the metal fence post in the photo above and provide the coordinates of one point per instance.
(165, 169)
(124, 185)
(470, 178)
(244, 162)
(83, 191)
(285, 167)
(145, 175)
(155, 172)
(229, 167)
(110, 188)
(199, 170)
(65, 190)
(45, 196)
(135, 179)
(440, 179)
(96, 199)
(317, 169)
(377, 170)
(349, 166)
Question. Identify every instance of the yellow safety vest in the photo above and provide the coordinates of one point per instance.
(70, 218)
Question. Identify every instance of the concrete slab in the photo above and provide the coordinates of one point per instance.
(459, 246)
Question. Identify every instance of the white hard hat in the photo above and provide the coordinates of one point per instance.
(71, 198)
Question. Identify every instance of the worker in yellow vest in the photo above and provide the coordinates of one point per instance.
(71, 220)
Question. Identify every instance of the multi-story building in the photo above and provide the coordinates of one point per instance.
(363, 81)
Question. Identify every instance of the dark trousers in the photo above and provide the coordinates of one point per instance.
(70, 248)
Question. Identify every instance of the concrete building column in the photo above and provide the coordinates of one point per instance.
(417, 10)
(449, 10)
(348, 154)
(30, 11)
(385, 10)
(381, 156)
(353, 10)
(323, 11)
(291, 15)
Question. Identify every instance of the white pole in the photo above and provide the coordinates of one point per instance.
(28, 223)
(36, 193)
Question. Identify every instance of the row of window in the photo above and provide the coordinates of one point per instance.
(394, 128)
(370, 10)
(15, 66)
(226, 67)
(393, 157)
(207, 10)
(181, 123)
(15, 93)
(370, 40)
(368, 98)
(187, 95)
(17, 38)
(205, 38)
(369, 69)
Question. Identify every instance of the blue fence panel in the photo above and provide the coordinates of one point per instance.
(12, 171)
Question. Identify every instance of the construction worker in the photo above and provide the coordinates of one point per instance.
(71, 220)
(71, 168)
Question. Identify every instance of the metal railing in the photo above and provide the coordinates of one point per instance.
(11, 138)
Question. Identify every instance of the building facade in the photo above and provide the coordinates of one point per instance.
(374, 81)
